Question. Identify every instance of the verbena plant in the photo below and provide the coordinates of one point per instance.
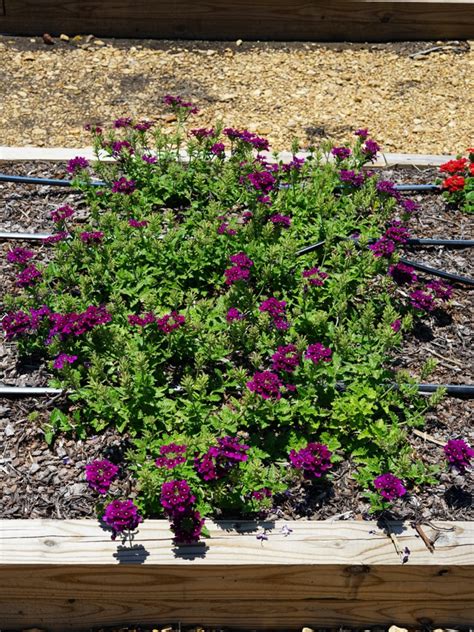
(182, 315)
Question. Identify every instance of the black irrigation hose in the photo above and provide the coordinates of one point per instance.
(453, 390)
(439, 273)
(421, 188)
(449, 243)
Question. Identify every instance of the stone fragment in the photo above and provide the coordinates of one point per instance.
(64, 38)
(47, 39)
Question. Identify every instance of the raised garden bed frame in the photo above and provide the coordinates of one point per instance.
(69, 575)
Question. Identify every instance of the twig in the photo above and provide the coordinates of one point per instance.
(428, 543)
(427, 437)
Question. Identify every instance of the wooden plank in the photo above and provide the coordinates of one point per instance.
(351, 20)
(63, 154)
(69, 575)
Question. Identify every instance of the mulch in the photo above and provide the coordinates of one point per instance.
(47, 482)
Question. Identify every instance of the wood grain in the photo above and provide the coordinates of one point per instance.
(352, 20)
(69, 575)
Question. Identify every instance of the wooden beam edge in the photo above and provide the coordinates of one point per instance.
(63, 154)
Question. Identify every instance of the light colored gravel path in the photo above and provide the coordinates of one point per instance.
(281, 90)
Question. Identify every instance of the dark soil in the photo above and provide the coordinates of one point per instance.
(41, 481)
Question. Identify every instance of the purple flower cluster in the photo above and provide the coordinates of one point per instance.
(172, 455)
(62, 213)
(240, 271)
(119, 146)
(262, 181)
(143, 126)
(389, 487)
(62, 359)
(135, 223)
(233, 314)
(177, 103)
(266, 384)
(409, 206)
(341, 153)
(124, 121)
(101, 474)
(276, 310)
(261, 494)
(169, 322)
(295, 165)
(383, 247)
(362, 133)
(396, 325)
(54, 239)
(402, 274)
(220, 459)
(397, 232)
(313, 460)
(387, 187)
(257, 142)
(120, 516)
(179, 505)
(458, 454)
(19, 323)
(370, 148)
(124, 186)
(76, 324)
(281, 220)
(441, 289)
(92, 237)
(286, 359)
(224, 229)
(348, 176)
(28, 276)
(20, 256)
(318, 353)
(202, 132)
(142, 321)
(315, 276)
(422, 301)
(77, 164)
(218, 149)
(151, 160)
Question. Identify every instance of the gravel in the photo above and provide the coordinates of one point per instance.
(41, 481)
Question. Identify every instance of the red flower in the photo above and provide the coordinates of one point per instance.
(454, 183)
(471, 168)
(454, 166)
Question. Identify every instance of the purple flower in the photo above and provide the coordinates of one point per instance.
(134, 223)
(241, 259)
(101, 474)
(402, 274)
(276, 311)
(170, 322)
(62, 213)
(315, 276)
(224, 229)
(91, 237)
(362, 133)
(233, 314)
(409, 205)
(351, 177)
(286, 359)
(261, 494)
(77, 164)
(262, 181)
(341, 153)
(220, 459)
(218, 149)
(295, 165)
(389, 486)
(142, 321)
(266, 384)
(396, 325)
(441, 289)
(143, 126)
(236, 273)
(422, 300)
(88, 127)
(20, 256)
(28, 276)
(187, 527)
(370, 148)
(281, 220)
(202, 133)
(122, 185)
(176, 497)
(318, 353)
(178, 104)
(172, 455)
(62, 359)
(76, 324)
(458, 454)
(383, 247)
(119, 146)
(313, 460)
(122, 122)
(387, 187)
(121, 516)
(397, 232)
(151, 160)
(54, 239)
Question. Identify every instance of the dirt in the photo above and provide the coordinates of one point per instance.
(41, 481)
(300, 90)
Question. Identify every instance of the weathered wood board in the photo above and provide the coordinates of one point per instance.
(320, 20)
(69, 575)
